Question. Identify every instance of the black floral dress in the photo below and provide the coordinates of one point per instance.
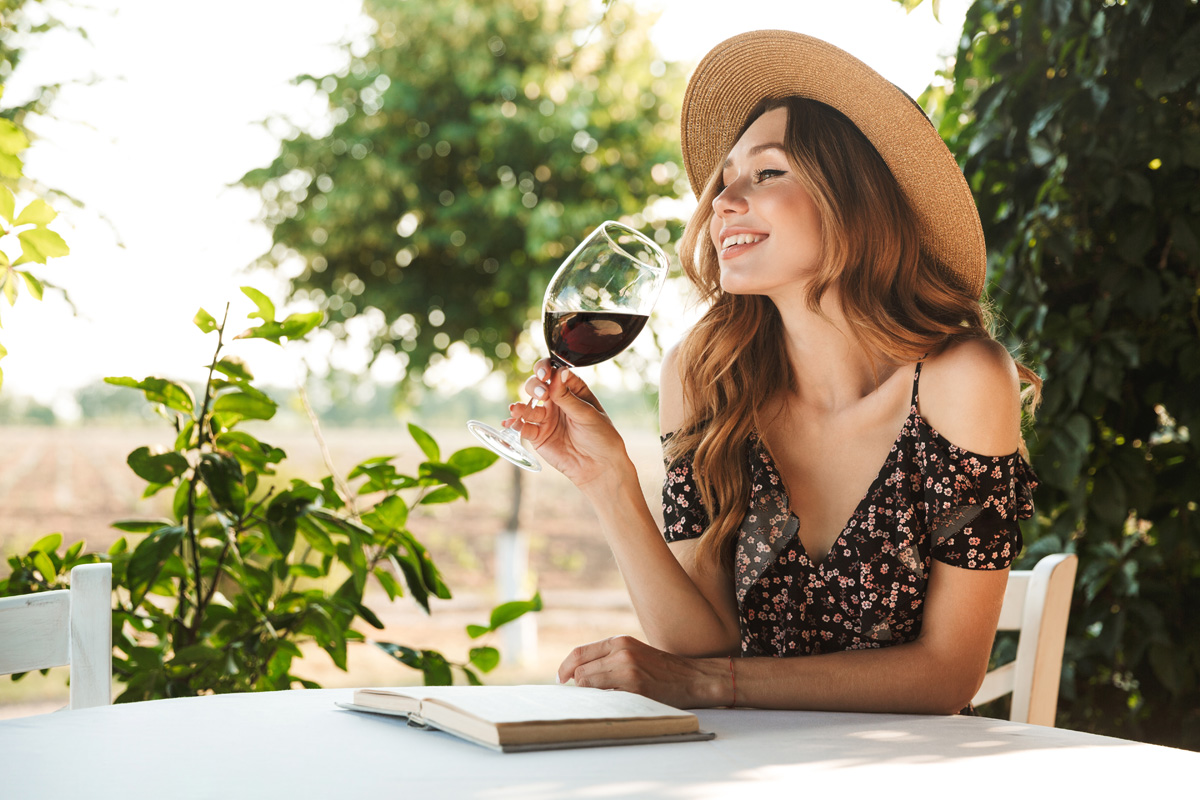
(930, 500)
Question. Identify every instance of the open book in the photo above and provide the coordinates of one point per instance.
(520, 718)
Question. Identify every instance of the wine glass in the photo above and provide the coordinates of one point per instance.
(595, 306)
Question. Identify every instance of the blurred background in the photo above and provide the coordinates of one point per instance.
(416, 170)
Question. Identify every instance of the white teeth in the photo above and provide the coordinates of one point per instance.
(741, 238)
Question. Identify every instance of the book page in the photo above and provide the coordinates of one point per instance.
(543, 703)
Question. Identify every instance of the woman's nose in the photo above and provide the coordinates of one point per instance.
(730, 200)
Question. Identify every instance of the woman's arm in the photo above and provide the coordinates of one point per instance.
(938, 673)
(682, 607)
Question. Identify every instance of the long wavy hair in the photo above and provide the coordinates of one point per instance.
(900, 306)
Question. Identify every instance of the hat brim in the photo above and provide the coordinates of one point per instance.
(745, 69)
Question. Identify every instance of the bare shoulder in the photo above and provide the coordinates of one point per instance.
(970, 394)
(671, 410)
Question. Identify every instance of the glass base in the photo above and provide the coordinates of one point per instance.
(506, 443)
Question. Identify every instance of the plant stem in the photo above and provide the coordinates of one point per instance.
(202, 438)
(338, 481)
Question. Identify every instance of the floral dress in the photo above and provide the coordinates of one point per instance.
(930, 500)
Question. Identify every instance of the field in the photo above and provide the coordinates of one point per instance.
(75, 481)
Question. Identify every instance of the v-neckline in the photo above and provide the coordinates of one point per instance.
(893, 453)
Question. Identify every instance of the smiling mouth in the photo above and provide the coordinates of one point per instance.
(740, 242)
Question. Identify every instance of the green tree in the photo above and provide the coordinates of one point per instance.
(25, 232)
(473, 144)
(1078, 126)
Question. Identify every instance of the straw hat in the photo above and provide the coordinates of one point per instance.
(747, 68)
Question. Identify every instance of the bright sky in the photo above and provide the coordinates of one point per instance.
(152, 145)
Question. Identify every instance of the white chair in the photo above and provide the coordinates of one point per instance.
(50, 629)
(1037, 603)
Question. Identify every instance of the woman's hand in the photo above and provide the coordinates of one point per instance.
(623, 662)
(571, 430)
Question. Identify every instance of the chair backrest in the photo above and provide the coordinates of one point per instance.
(50, 629)
(1037, 603)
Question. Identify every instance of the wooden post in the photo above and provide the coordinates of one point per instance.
(518, 639)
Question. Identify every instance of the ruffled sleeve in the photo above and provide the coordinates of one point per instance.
(974, 503)
(683, 513)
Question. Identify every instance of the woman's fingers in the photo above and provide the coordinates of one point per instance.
(591, 653)
(576, 386)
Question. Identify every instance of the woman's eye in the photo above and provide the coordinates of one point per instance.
(762, 174)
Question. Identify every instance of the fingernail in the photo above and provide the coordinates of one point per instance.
(511, 406)
(566, 373)
(557, 679)
(541, 373)
(539, 391)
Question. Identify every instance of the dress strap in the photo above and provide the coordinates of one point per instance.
(916, 381)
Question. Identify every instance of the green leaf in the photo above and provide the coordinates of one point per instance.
(118, 547)
(44, 565)
(389, 514)
(295, 326)
(222, 474)
(245, 405)
(315, 535)
(470, 460)
(405, 655)
(148, 559)
(253, 454)
(157, 467)
(140, 525)
(305, 570)
(47, 544)
(425, 442)
(485, 658)
(389, 583)
(40, 244)
(32, 283)
(205, 321)
(8, 203)
(285, 514)
(507, 612)
(159, 390)
(443, 494)
(436, 669)
(475, 631)
(73, 552)
(179, 501)
(432, 473)
(38, 212)
(196, 654)
(266, 309)
(234, 368)
(8, 280)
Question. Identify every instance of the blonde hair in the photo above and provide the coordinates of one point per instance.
(898, 304)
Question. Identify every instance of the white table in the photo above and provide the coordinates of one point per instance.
(298, 745)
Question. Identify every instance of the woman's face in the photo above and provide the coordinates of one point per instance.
(765, 226)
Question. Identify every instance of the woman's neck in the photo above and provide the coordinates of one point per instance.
(833, 370)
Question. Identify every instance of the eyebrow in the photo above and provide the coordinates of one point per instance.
(758, 148)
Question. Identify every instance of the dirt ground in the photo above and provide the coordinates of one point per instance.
(75, 481)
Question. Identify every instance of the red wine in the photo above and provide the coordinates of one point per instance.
(583, 338)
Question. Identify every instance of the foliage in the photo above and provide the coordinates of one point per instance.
(218, 596)
(1078, 126)
(37, 243)
(473, 144)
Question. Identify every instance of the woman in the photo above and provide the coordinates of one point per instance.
(842, 256)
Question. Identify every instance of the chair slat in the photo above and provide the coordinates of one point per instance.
(33, 631)
(1013, 612)
(996, 683)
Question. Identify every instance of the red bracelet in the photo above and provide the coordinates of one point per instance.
(733, 681)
